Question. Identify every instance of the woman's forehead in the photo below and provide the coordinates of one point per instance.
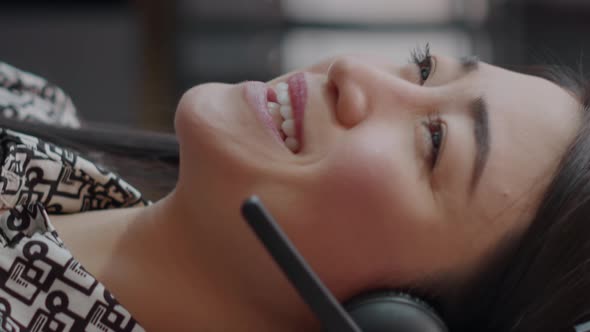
(532, 122)
(530, 103)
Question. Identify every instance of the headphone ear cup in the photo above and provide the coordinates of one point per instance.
(393, 312)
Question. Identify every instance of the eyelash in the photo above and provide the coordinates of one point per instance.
(435, 128)
(421, 57)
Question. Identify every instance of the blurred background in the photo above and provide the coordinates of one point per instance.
(127, 62)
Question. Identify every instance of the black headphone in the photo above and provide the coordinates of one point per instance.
(393, 311)
(382, 311)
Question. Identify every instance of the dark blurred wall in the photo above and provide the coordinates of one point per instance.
(536, 31)
(92, 51)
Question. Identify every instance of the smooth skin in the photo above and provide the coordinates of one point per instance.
(364, 200)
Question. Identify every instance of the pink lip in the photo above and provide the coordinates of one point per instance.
(256, 94)
(298, 95)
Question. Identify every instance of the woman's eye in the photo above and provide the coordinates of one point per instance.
(424, 72)
(435, 128)
(421, 57)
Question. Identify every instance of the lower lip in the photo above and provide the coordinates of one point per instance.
(256, 94)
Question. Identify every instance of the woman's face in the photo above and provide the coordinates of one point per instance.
(399, 172)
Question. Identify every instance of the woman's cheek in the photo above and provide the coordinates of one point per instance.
(374, 167)
(364, 185)
(359, 205)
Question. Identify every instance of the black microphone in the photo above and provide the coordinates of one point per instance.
(319, 298)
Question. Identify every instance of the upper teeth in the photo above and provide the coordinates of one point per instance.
(283, 107)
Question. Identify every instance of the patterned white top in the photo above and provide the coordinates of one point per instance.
(42, 286)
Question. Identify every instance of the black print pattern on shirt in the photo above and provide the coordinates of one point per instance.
(37, 171)
(43, 288)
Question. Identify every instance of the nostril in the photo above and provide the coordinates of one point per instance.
(348, 101)
(350, 111)
(348, 85)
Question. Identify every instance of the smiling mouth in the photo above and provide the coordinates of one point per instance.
(286, 104)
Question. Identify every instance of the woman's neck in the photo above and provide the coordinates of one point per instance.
(175, 267)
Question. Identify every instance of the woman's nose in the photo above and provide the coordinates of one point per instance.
(348, 76)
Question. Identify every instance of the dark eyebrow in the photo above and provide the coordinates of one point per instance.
(478, 111)
(469, 63)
